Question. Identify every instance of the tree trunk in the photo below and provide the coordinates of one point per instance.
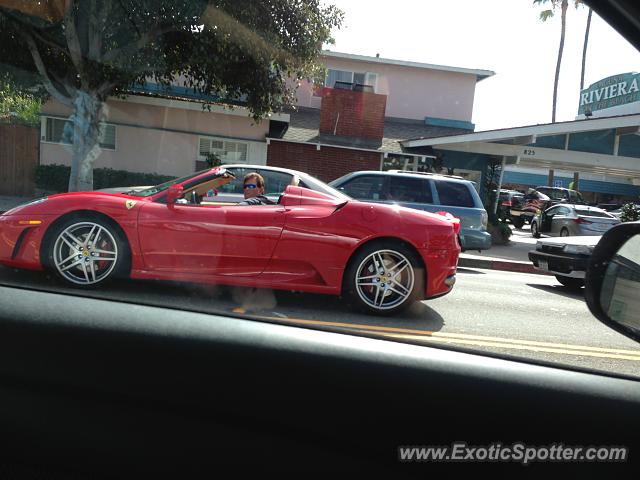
(584, 49)
(560, 49)
(88, 113)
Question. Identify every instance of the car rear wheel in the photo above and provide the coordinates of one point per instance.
(535, 233)
(569, 282)
(87, 252)
(564, 232)
(518, 222)
(384, 278)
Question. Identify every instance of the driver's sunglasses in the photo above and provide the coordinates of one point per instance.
(250, 185)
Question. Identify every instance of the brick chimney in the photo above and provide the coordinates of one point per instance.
(354, 114)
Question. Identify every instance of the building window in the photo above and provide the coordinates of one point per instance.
(333, 76)
(338, 76)
(107, 136)
(55, 131)
(58, 130)
(227, 151)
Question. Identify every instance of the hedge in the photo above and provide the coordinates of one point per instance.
(55, 178)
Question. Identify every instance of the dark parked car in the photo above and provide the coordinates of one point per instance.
(566, 258)
(506, 200)
(538, 199)
(561, 195)
(524, 208)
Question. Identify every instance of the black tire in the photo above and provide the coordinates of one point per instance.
(98, 259)
(518, 222)
(571, 283)
(565, 232)
(365, 297)
(535, 233)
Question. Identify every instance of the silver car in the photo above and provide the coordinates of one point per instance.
(568, 220)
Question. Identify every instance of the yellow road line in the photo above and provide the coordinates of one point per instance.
(506, 345)
(478, 340)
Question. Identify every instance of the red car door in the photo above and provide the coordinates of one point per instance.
(209, 239)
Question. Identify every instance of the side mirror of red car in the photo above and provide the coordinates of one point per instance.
(173, 193)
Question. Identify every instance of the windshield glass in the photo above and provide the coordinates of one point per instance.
(451, 125)
(162, 187)
(555, 194)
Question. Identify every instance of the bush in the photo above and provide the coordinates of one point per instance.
(630, 212)
(499, 230)
(55, 178)
(18, 106)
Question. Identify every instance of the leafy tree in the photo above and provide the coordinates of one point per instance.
(490, 186)
(85, 51)
(212, 159)
(18, 104)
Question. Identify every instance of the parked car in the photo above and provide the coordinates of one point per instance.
(609, 207)
(539, 199)
(569, 220)
(424, 191)
(506, 200)
(562, 195)
(381, 259)
(566, 258)
(524, 208)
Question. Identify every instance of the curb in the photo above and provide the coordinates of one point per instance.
(504, 265)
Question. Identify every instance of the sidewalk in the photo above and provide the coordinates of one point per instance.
(512, 257)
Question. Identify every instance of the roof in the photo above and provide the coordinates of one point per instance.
(480, 74)
(558, 128)
(403, 173)
(304, 127)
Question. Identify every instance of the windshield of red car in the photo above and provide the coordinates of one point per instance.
(147, 192)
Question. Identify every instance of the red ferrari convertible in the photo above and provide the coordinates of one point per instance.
(380, 257)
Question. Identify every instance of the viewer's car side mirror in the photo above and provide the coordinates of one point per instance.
(613, 280)
(174, 193)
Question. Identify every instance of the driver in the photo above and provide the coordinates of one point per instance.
(253, 187)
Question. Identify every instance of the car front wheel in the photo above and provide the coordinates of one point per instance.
(535, 233)
(87, 252)
(569, 282)
(384, 278)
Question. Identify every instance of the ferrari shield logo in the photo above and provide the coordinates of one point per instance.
(130, 204)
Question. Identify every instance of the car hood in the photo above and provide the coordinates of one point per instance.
(590, 240)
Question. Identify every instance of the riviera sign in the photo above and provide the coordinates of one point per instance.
(611, 92)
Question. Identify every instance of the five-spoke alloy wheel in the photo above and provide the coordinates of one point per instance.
(86, 252)
(384, 278)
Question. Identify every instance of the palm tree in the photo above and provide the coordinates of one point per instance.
(544, 16)
(586, 39)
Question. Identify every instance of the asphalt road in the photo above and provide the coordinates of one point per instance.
(521, 316)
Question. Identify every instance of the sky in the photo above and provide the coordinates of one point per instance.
(504, 36)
